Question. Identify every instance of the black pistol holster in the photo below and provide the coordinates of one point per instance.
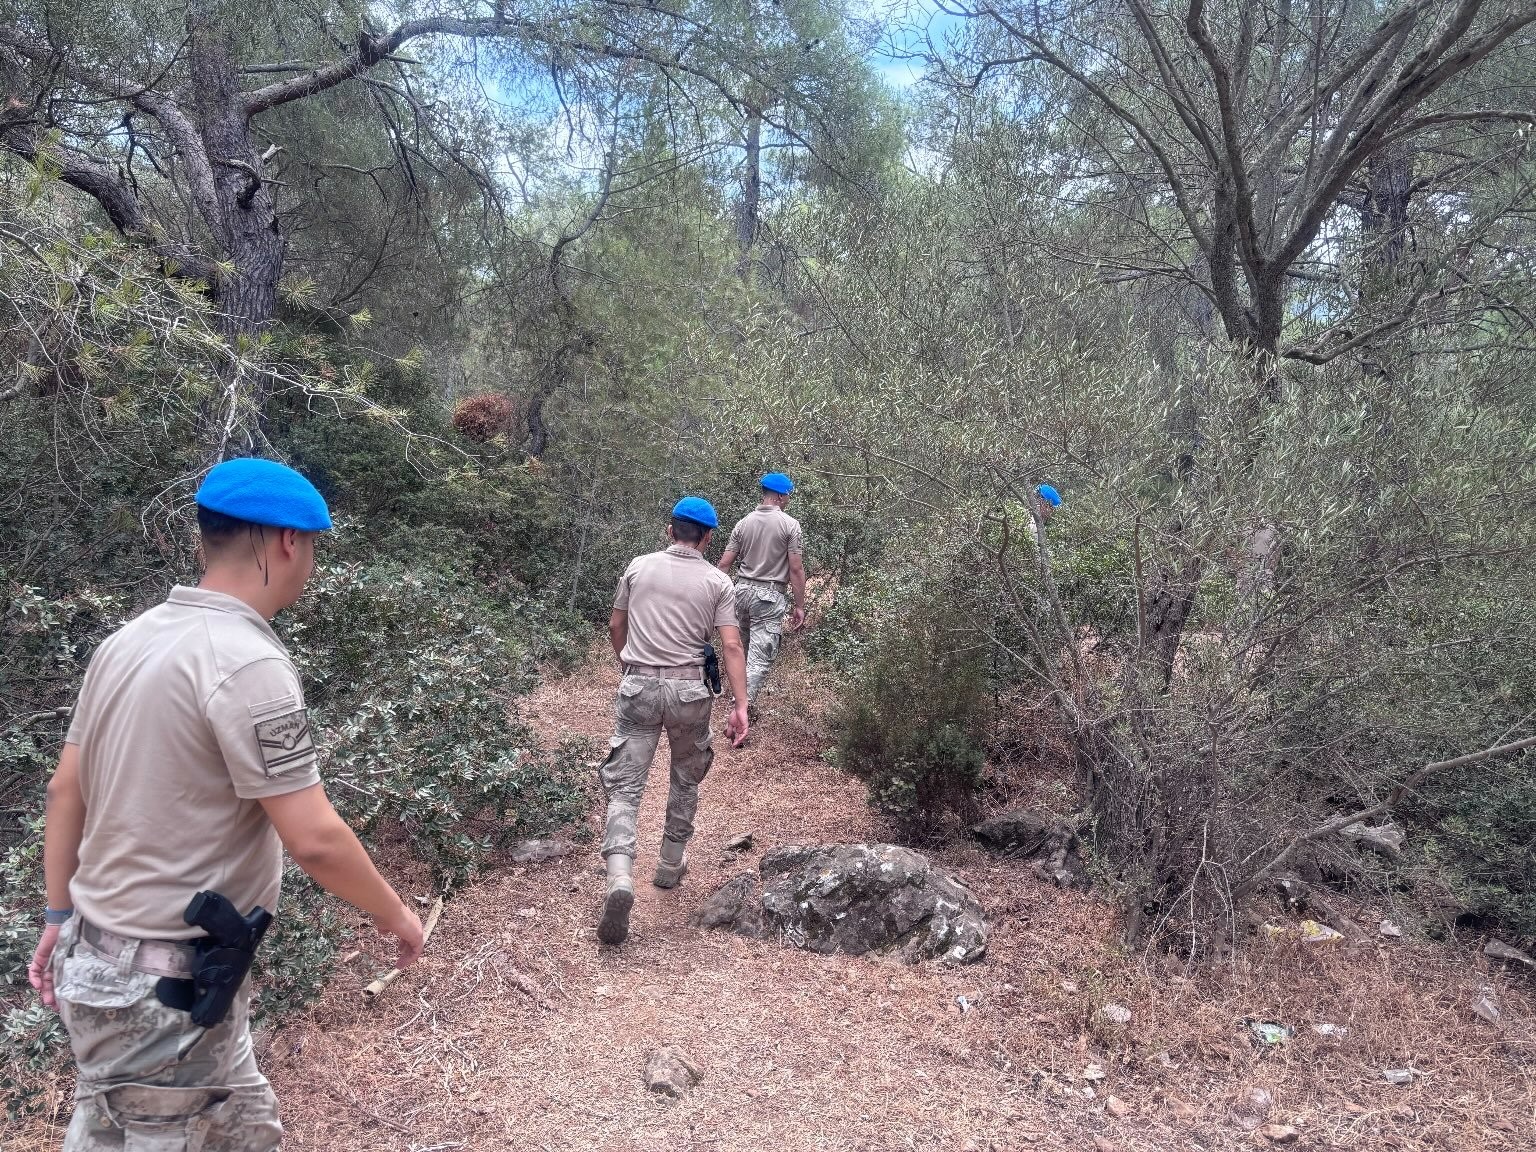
(712, 669)
(224, 958)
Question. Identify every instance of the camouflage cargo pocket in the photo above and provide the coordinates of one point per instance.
(693, 692)
(161, 1119)
(118, 1029)
(92, 982)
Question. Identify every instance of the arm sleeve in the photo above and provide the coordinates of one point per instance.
(83, 715)
(733, 541)
(259, 719)
(621, 593)
(796, 540)
(725, 606)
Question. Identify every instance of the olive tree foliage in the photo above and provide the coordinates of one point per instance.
(1267, 187)
(1355, 599)
(1236, 133)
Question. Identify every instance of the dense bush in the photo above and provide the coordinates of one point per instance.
(413, 673)
(913, 718)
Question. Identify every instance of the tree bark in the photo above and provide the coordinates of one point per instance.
(245, 219)
(751, 192)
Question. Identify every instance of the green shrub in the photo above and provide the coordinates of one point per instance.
(31, 1048)
(1484, 842)
(413, 672)
(913, 719)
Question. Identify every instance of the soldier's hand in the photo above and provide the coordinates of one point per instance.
(736, 724)
(797, 619)
(40, 971)
(405, 926)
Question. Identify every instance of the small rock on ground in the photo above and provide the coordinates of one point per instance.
(1279, 1133)
(671, 1073)
(537, 851)
(1252, 1108)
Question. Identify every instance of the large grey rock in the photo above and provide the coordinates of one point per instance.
(853, 898)
(537, 851)
(1018, 832)
(1502, 951)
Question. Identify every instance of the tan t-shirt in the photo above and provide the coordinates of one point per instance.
(763, 540)
(675, 600)
(188, 716)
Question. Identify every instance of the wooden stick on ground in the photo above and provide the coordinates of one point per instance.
(388, 978)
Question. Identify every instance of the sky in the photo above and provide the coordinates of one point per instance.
(911, 25)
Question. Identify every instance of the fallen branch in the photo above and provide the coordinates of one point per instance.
(377, 987)
(1394, 798)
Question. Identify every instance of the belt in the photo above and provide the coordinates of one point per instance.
(690, 672)
(778, 586)
(157, 957)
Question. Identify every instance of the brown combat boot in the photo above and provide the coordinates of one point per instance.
(613, 924)
(672, 864)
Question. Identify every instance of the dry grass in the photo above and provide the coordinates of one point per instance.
(519, 1032)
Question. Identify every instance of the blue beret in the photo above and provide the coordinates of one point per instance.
(264, 492)
(697, 509)
(778, 482)
(1049, 495)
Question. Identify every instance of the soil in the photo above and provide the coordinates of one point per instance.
(518, 1031)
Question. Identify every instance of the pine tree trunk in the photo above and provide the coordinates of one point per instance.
(238, 207)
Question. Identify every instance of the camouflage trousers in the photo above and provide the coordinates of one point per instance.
(149, 1079)
(645, 706)
(760, 613)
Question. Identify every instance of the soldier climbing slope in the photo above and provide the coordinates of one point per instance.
(766, 547)
(188, 767)
(665, 611)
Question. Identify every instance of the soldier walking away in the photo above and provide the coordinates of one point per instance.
(766, 547)
(665, 611)
(188, 767)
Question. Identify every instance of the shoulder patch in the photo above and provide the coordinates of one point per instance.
(285, 741)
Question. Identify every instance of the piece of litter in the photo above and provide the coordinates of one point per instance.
(1116, 1013)
(1390, 929)
(965, 1005)
(1502, 951)
(1486, 1006)
(1269, 1032)
(1252, 1108)
(1330, 1030)
(1314, 933)
(1398, 1076)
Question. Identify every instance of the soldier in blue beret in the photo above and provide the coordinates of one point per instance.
(667, 607)
(188, 767)
(766, 547)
